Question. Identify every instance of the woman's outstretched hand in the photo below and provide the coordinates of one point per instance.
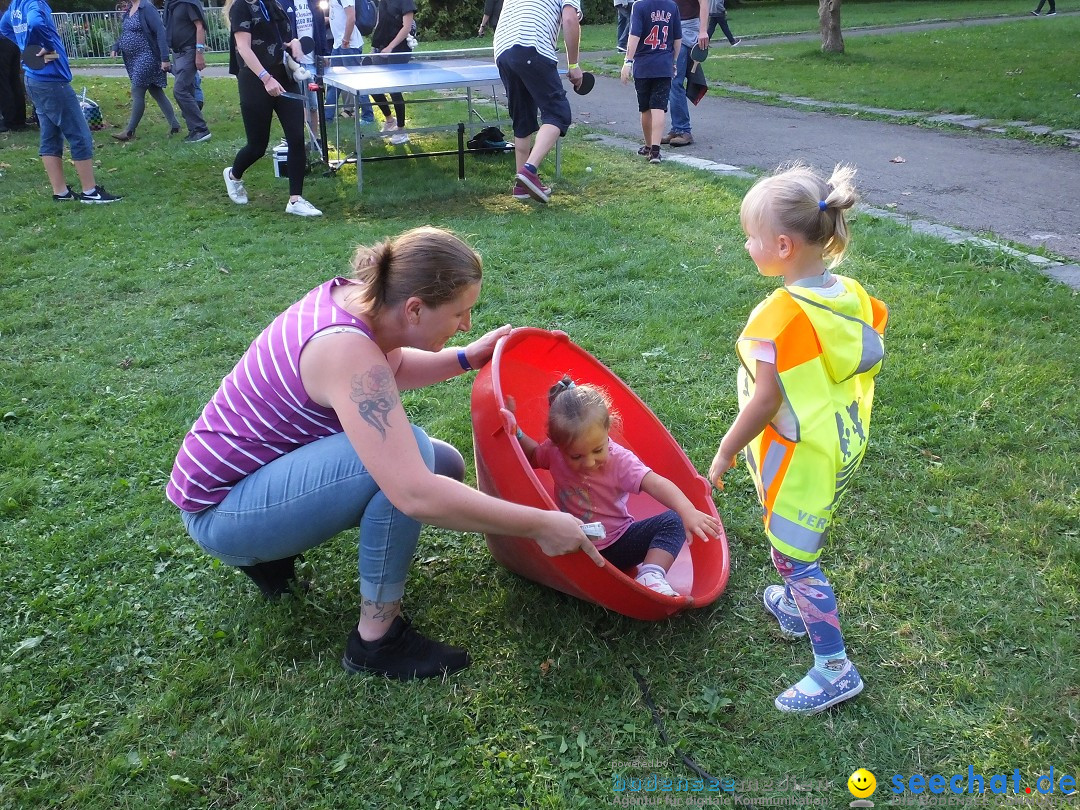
(480, 350)
(562, 534)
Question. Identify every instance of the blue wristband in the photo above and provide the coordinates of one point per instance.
(520, 434)
(463, 360)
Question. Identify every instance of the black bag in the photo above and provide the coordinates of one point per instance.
(489, 139)
(367, 15)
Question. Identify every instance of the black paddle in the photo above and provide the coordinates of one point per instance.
(587, 82)
(33, 61)
(699, 54)
(307, 44)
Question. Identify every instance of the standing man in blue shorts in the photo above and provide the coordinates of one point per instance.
(694, 17)
(29, 22)
(529, 66)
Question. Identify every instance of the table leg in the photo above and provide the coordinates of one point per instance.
(320, 95)
(461, 150)
(358, 140)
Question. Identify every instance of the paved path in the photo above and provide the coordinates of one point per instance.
(1019, 190)
(973, 181)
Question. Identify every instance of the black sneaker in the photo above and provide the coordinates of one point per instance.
(654, 155)
(99, 196)
(198, 137)
(276, 577)
(67, 196)
(403, 654)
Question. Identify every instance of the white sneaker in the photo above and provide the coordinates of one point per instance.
(399, 139)
(237, 192)
(656, 582)
(389, 125)
(302, 208)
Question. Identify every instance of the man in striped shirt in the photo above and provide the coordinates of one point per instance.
(525, 52)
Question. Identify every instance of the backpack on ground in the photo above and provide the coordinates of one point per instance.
(91, 112)
(489, 139)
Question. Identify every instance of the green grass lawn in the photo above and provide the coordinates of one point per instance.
(137, 673)
(1011, 71)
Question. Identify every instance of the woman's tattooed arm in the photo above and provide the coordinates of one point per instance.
(375, 395)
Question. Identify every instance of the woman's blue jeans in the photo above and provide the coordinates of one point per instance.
(308, 496)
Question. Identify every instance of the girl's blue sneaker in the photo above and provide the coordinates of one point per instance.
(798, 699)
(791, 623)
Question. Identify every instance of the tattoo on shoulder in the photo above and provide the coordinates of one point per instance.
(375, 396)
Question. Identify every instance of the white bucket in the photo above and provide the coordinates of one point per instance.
(281, 160)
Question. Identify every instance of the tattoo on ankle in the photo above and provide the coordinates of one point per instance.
(380, 611)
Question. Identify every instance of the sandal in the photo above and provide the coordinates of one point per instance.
(845, 687)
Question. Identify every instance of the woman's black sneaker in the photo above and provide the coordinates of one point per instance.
(276, 577)
(403, 654)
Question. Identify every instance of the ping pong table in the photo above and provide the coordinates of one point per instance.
(466, 69)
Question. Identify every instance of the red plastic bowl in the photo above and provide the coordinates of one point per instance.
(526, 363)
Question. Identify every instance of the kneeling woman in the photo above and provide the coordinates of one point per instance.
(307, 437)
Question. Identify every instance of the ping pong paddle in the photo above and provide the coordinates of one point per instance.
(699, 54)
(588, 80)
(32, 60)
(307, 44)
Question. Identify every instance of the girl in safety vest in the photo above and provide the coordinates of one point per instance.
(808, 357)
(594, 476)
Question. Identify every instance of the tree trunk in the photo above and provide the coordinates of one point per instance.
(832, 40)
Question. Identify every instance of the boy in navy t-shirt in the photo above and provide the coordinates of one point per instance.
(651, 53)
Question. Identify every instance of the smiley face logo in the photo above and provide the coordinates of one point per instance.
(862, 783)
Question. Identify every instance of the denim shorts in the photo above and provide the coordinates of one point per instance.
(652, 93)
(533, 82)
(60, 118)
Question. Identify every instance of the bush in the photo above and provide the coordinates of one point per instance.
(444, 19)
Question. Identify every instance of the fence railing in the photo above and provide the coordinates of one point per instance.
(92, 34)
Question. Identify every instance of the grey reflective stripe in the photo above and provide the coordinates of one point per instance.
(873, 349)
(770, 464)
(796, 535)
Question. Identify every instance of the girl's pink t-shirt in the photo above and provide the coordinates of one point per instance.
(600, 495)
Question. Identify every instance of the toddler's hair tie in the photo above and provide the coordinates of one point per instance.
(822, 205)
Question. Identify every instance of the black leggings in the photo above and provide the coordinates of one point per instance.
(257, 108)
(398, 56)
(384, 107)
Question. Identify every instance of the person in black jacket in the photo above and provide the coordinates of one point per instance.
(12, 92)
(392, 35)
(185, 29)
(146, 58)
(492, 10)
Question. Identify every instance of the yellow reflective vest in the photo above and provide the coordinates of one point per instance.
(828, 351)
